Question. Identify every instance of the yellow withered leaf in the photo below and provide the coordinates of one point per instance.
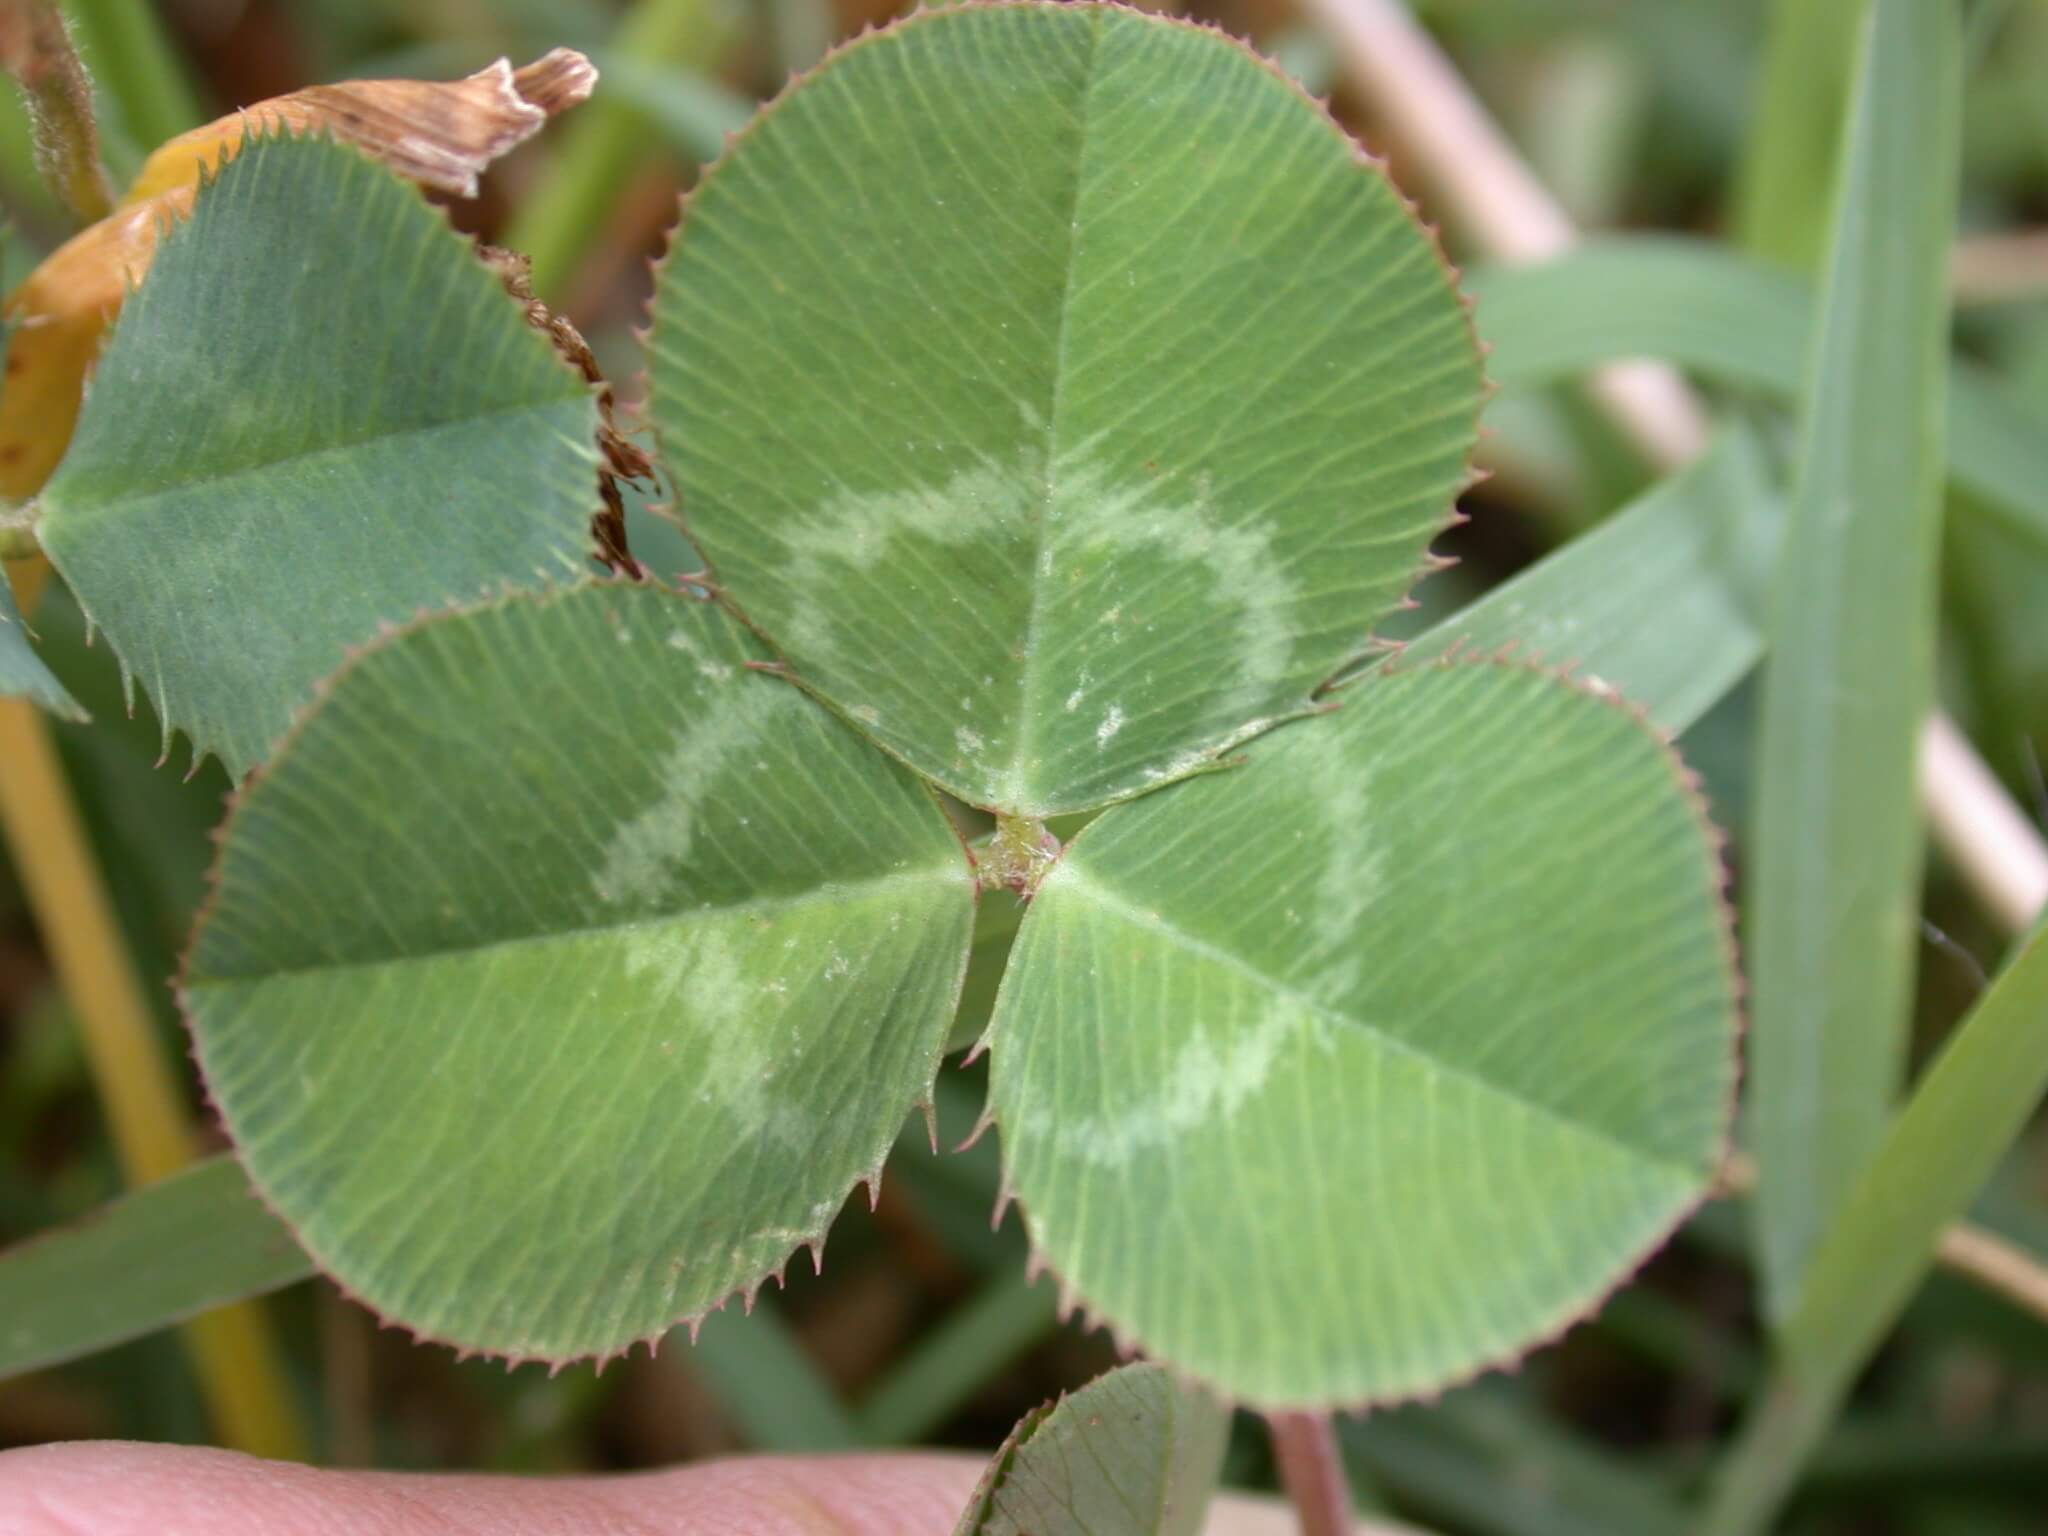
(441, 134)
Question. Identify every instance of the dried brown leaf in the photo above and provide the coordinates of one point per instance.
(441, 134)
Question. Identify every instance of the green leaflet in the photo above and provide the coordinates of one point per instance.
(1133, 1453)
(1832, 902)
(320, 414)
(23, 673)
(1337, 1077)
(1702, 307)
(1062, 391)
(558, 1014)
(155, 1257)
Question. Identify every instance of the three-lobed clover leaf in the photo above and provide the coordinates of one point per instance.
(1064, 399)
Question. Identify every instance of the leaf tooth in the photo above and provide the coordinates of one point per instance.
(987, 1117)
(926, 1107)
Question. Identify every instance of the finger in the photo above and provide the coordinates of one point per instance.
(113, 1488)
(116, 1489)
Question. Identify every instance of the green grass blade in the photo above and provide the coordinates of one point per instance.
(1795, 130)
(1657, 601)
(1836, 846)
(772, 1391)
(1704, 308)
(566, 214)
(691, 110)
(951, 1364)
(165, 1253)
(1963, 1115)
(132, 60)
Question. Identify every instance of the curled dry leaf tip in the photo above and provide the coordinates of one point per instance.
(441, 134)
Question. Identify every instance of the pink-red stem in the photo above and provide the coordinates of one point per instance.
(1312, 1472)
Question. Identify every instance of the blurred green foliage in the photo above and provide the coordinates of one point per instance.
(1642, 115)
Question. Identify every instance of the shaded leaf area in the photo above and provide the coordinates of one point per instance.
(1341, 1075)
(563, 974)
(1696, 304)
(1660, 601)
(167, 1252)
(1062, 392)
(1831, 907)
(1133, 1453)
(23, 673)
(279, 453)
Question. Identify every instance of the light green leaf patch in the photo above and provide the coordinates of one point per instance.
(1133, 1453)
(24, 674)
(1340, 1076)
(1062, 391)
(319, 414)
(563, 974)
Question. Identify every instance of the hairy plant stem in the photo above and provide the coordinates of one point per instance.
(135, 64)
(232, 1350)
(35, 47)
(1312, 1472)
